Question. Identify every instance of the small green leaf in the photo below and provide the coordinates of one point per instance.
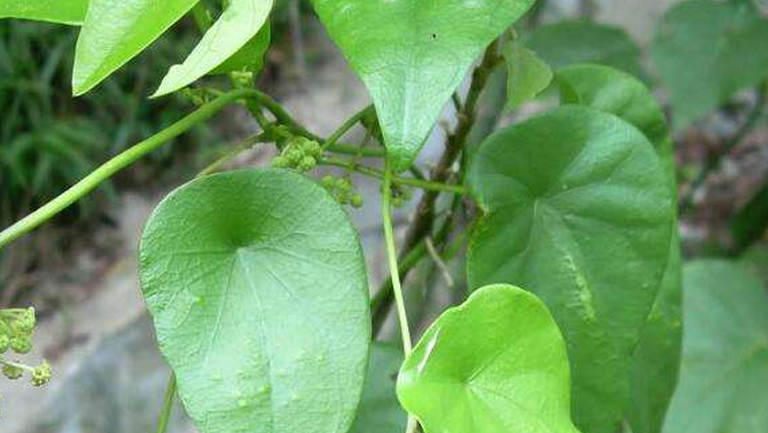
(260, 309)
(707, 51)
(412, 55)
(238, 24)
(116, 31)
(527, 74)
(249, 58)
(725, 352)
(56, 11)
(750, 222)
(379, 410)
(570, 42)
(496, 364)
(657, 355)
(577, 210)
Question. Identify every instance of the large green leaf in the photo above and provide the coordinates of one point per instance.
(260, 309)
(657, 356)
(496, 364)
(412, 55)
(238, 24)
(725, 352)
(570, 42)
(379, 411)
(527, 74)
(116, 31)
(706, 51)
(577, 210)
(57, 11)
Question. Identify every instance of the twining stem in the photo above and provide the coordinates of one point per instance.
(165, 415)
(347, 125)
(389, 238)
(418, 183)
(132, 154)
(242, 146)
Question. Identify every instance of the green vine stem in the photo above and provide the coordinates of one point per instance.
(347, 125)
(134, 153)
(389, 238)
(418, 183)
(165, 415)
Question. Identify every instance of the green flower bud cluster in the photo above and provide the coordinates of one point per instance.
(242, 78)
(342, 190)
(197, 97)
(17, 326)
(299, 153)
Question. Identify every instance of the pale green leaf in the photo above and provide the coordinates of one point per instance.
(496, 364)
(657, 355)
(259, 308)
(578, 211)
(116, 31)
(238, 24)
(412, 55)
(249, 58)
(725, 352)
(379, 410)
(56, 11)
(705, 52)
(571, 42)
(527, 74)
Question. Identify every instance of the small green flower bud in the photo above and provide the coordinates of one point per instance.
(21, 343)
(26, 321)
(41, 374)
(307, 163)
(328, 182)
(5, 343)
(12, 372)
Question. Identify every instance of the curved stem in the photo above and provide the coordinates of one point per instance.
(347, 125)
(389, 239)
(165, 415)
(132, 154)
(242, 146)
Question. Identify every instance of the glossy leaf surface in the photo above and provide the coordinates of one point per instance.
(706, 51)
(237, 25)
(260, 309)
(578, 211)
(116, 31)
(56, 11)
(527, 74)
(571, 42)
(725, 352)
(412, 55)
(656, 359)
(496, 364)
(379, 410)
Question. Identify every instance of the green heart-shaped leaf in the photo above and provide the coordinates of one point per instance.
(260, 308)
(238, 24)
(527, 74)
(707, 51)
(379, 410)
(57, 11)
(412, 55)
(656, 360)
(116, 31)
(578, 211)
(725, 352)
(496, 364)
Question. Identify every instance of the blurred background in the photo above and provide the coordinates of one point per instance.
(80, 270)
